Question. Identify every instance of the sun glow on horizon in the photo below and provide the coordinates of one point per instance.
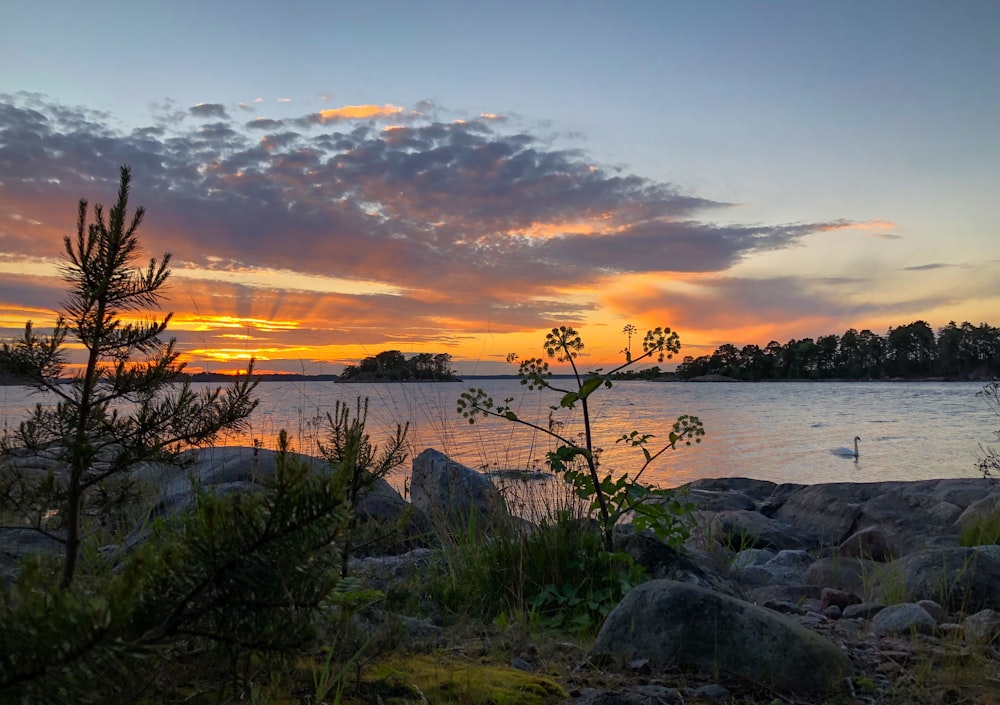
(200, 323)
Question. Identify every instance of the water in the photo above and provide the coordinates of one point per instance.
(779, 431)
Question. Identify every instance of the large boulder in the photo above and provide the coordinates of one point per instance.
(829, 512)
(871, 543)
(661, 560)
(445, 489)
(390, 524)
(674, 624)
(960, 579)
(740, 529)
(16, 542)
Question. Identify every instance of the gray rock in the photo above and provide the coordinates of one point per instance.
(832, 612)
(457, 494)
(712, 693)
(391, 524)
(905, 618)
(719, 500)
(934, 610)
(750, 557)
(831, 597)
(848, 574)
(871, 543)
(17, 542)
(630, 695)
(789, 593)
(748, 529)
(959, 579)
(662, 561)
(865, 610)
(673, 624)
(983, 627)
(829, 511)
(875, 520)
(786, 568)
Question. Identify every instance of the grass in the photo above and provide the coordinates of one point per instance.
(983, 530)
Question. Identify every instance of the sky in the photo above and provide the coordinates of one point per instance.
(336, 179)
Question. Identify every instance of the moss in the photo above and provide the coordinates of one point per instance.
(444, 679)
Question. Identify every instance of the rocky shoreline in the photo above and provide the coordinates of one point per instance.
(840, 592)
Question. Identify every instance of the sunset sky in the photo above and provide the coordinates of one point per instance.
(335, 179)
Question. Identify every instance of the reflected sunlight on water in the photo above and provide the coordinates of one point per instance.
(779, 431)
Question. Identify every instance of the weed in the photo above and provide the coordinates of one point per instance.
(578, 462)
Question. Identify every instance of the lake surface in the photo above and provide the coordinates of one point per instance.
(779, 431)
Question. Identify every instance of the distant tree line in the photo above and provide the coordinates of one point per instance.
(961, 352)
(393, 366)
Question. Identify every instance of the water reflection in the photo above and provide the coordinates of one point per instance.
(775, 431)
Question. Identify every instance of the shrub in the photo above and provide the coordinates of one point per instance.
(235, 585)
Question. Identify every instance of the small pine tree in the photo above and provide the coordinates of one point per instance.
(122, 407)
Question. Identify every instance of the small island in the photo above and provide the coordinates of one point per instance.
(394, 366)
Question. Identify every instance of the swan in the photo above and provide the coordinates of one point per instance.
(847, 452)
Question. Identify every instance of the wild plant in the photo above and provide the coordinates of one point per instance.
(350, 452)
(577, 461)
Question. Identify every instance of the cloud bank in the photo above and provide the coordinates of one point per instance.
(471, 225)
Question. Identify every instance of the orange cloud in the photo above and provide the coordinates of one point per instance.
(876, 225)
(359, 112)
(600, 224)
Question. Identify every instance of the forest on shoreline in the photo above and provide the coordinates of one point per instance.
(913, 351)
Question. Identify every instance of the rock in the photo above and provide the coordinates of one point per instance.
(848, 574)
(871, 543)
(981, 513)
(830, 511)
(719, 500)
(805, 597)
(673, 624)
(631, 695)
(712, 693)
(905, 618)
(445, 489)
(748, 558)
(959, 579)
(785, 568)
(877, 520)
(743, 529)
(865, 610)
(983, 627)
(521, 664)
(934, 610)
(390, 524)
(755, 490)
(831, 597)
(832, 612)
(16, 542)
(662, 561)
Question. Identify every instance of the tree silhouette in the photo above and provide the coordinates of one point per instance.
(121, 409)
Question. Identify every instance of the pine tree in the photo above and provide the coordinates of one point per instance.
(129, 403)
